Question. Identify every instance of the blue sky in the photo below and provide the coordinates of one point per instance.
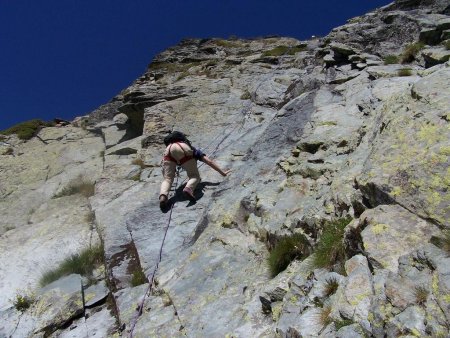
(64, 58)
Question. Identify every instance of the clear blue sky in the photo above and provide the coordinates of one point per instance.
(64, 58)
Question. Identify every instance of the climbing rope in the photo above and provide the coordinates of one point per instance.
(152, 278)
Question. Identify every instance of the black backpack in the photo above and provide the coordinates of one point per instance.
(176, 136)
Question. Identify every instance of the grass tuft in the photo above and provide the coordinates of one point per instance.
(138, 277)
(410, 52)
(324, 316)
(26, 130)
(391, 59)
(286, 250)
(22, 302)
(331, 286)
(82, 187)
(421, 294)
(83, 264)
(330, 249)
(404, 72)
(139, 162)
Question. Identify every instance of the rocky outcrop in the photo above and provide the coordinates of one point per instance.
(313, 131)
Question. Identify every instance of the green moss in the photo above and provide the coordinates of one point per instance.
(172, 67)
(330, 249)
(443, 241)
(138, 277)
(26, 130)
(391, 59)
(284, 50)
(246, 95)
(446, 44)
(286, 250)
(82, 263)
(136, 177)
(227, 43)
(339, 324)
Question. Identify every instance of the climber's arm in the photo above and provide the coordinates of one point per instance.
(214, 165)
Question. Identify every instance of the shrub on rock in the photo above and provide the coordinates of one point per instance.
(286, 250)
(26, 130)
(330, 249)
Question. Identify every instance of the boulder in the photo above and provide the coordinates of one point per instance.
(435, 56)
(353, 297)
(390, 231)
(57, 304)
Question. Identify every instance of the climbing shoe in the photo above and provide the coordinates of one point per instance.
(189, 194)
(163, 203)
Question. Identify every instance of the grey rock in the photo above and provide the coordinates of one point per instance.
(351, 331)
(410, 320)
(307, 141)
(429, 85)
(100, 323)
(113, 135)
(353, 297)
(95, 294)
(435, 56)
(445, 35)
(430, 36)
(384, 239)
(120, 119)
(57, 304)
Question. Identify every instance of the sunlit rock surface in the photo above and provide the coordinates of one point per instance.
(313, 131)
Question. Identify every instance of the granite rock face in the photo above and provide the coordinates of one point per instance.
(313, 131)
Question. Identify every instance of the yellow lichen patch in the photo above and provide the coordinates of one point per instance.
(435, 285)
(329, 208)
(276, 311)
(446, 298)
(359, 298)
(436, 181)
(436, 159)
(430, 134)
(433, 198)
(396, 191)
(378, 229)
(193, 256)
(445, 150)
(447, 177)
(416, 333)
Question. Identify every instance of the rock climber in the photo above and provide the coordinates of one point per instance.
(179, 151)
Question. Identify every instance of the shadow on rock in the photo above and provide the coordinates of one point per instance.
(180, 197)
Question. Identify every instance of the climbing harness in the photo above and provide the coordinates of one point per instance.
(183, 160)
